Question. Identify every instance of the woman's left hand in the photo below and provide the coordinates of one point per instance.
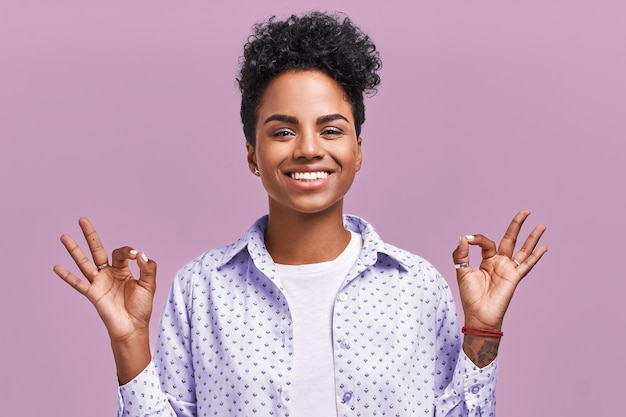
(487, 291)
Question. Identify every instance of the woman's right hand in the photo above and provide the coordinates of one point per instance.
(123, 302)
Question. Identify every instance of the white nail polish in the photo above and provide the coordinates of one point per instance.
(144, 257)
(469, 237)
(134, 252)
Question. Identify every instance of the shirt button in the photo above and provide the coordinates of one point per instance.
(346, 397)
(475, 389)
(344, 344)
(343, 296)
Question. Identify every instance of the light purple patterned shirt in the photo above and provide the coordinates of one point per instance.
(225, 347)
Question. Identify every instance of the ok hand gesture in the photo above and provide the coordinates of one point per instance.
(487, 291)
(123, 302)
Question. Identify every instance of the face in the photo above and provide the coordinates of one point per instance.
(306, 147)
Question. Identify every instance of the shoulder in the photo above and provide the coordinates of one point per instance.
(225, 260)
(413, 264)
(374, 244)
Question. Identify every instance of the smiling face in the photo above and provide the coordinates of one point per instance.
(306, 149)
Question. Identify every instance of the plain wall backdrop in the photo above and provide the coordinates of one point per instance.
(128, 113)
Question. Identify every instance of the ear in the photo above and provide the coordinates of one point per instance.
(251, 157)
(359, 157)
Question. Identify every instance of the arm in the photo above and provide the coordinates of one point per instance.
(167, 386)
(487, 291)
(462, 388)
(485, 296)
(125, 306)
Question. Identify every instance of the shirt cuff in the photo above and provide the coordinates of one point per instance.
(478, 385)
(142, 395)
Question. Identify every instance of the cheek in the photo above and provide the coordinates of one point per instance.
(267, 158)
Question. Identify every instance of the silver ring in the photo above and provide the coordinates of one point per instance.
(461, 265)
(515, 261)
(104, 265)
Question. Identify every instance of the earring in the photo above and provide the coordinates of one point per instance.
(257, 172)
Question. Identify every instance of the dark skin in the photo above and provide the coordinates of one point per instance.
(123, 302)
(487, 291)
(305, 225)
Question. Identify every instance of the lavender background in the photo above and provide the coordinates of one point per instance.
(127, 112)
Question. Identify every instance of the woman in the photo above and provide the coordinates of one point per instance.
(310, 312)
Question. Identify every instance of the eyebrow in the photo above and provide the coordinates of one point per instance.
(294, 120)
(331, 117)
(282, 118)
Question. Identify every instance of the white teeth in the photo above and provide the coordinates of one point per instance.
(308, 176)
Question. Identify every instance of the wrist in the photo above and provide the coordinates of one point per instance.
(480, 332)
(471, 322)
(481, 340)
(138, 335)
(132, 355)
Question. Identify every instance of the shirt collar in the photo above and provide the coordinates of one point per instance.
(373, 245)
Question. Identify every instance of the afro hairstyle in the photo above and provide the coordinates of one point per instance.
(326, 42)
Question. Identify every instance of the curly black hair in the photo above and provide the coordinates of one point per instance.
(321, 41)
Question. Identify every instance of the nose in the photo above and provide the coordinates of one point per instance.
(308, 145)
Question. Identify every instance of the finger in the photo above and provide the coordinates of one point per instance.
(147, 271)
(85, 265)
(530, 244)
(487, 246)
(460, 257)
(528, 264)
(461, 253)
(75, 282)
(121, 256)
(96, 248)
(507, 244)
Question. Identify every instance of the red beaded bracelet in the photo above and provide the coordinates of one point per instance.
(473, 331)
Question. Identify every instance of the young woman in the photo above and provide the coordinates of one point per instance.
(309, 313)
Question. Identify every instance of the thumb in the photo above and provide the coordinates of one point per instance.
(461, 253)
(460, 257)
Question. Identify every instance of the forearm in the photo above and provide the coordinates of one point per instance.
(132, 355)
(481, 350)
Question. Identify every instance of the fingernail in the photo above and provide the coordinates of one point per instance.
(134, 252)
(469, 237)
(144, 257)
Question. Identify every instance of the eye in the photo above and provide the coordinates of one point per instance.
(282, 133)
(332, 132)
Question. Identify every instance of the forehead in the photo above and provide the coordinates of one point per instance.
(304, 92)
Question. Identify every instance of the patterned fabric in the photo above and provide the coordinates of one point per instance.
(226, 342)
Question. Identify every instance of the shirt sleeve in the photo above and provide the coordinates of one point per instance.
(143, 396)
(166, 387)
(466, 390)
(471, 392)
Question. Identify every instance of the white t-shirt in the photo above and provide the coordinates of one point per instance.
(311, 290)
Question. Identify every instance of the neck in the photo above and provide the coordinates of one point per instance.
(303, 238)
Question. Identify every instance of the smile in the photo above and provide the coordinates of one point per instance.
(308, 176)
